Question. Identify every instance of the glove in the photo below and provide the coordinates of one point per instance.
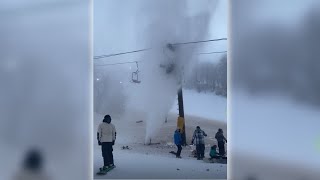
(113, 143)
(98, 139)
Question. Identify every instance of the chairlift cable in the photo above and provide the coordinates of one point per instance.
(193, 42)
(146, 49)
(129, 62)
(216, 52)
(122, 53)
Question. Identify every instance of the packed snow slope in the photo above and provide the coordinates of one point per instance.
(205, 105)
(154, 161)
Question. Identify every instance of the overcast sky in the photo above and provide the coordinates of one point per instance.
(119, 24)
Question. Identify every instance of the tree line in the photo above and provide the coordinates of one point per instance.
(209, 77)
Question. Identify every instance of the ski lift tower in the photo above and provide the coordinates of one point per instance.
(180, 120)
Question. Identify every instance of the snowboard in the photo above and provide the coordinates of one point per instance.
(104, 171)
(222, 160)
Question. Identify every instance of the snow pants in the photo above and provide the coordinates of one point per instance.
(222, 151)
(179, 150)
(107, 154)
(200, 150)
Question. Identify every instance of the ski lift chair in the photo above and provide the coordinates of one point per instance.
(135, 75)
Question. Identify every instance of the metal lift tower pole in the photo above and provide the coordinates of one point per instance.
(181, 114)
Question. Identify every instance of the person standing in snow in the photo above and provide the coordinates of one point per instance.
(221, 141)
(106, 137)
(178, 141)
(199, 135)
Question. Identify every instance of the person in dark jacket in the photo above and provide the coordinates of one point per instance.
(178, 141)
(199, 135)
(221, 141)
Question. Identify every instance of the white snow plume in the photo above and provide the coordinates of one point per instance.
(169, 23)
(109, 90)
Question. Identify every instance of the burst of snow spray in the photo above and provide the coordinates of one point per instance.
(158, 88)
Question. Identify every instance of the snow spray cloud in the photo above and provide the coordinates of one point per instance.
(109, 90)
(168, 22)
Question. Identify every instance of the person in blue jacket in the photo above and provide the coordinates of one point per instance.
(178, 141)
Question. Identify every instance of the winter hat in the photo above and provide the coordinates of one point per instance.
(107, 118)
(198, 127)
(33, 160)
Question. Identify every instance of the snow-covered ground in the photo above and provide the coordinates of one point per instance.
(284, 120)
(206, 105)
(155, 161)
(132, 165)
(290, 124)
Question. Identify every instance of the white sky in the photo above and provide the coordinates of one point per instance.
(118, 25)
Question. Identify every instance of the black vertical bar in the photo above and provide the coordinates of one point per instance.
(180, 103)
(181, 114)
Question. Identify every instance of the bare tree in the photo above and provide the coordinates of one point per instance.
(209, 77)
